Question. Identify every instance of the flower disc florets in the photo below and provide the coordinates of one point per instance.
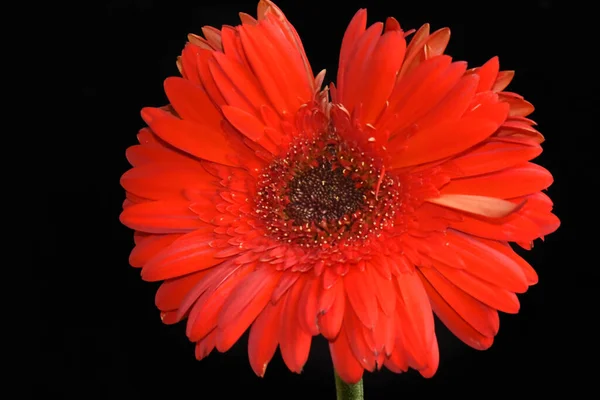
(325, 191)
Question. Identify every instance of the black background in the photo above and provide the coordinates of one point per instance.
(102, 336)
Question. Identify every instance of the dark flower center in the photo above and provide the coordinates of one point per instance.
(323, 193)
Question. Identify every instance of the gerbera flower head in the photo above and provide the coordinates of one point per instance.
(266, 202)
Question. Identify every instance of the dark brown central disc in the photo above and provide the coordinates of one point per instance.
(322, 193)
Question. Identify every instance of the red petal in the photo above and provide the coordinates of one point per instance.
(436, 43)
(433, 360)
(213, 37)
(426, 47)
(414, 49)
(286, 281)
(504, 248)
(531, 221)
(491, 156)
(167, 180)
(397, 361)
(148, 246)
(191, 102)
(308, 307)
(287, 30)
(346, 365)
(205, 346)
(442, 141)
(519, 107)
(203, 141)
(487, 74)
(380, 74)
(171, 292)
(263, 339)
(490, 207)
(488, 293)
(388, 325)
(250, 126)
(237, 84)
(244, 305)
(232, 47)
(454, 104)
(418, 95)
(512, 182)
(353, 33)
(231, 93)
(357, 63)
(454, 322)
(204, 57)
(278, 66)
(189, 63)
(213, 279)
(382, 265)
(154, 151)
(384, 290)
(392, 24)
(294, 342)
(361, 295)
(488, 264)
(356, 334)
(189, 253)
(330, 322)
(481, 317)
(204, 314)
(416, 317)
(164, 216)
(169, 317)
(503, 80)
(248, 19)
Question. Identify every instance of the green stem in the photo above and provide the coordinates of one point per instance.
(346, 391)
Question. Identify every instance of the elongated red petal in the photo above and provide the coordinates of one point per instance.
(200, 140)
(449, 138)
(205, 346)
(204, 314)
(344, 362)
(172, 292)
(191, 102)
(485, 206)
(164, 216)
(414, 100)
(190, 253)
(164, 180)
(488, 73)
(354, 32)
(481, 317)
(308, 307)
(508, 183)
(294, 341)
(330, 322)
(264, 338)
(491, 156)
(454, 322)
(488, 293)
(243, 306)
(148, 246)
(356, 334)
(361, 295)
(487, 263)
(384, 291)
(416, 316)
(380, 74)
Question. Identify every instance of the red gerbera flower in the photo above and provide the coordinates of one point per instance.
(262, 204)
